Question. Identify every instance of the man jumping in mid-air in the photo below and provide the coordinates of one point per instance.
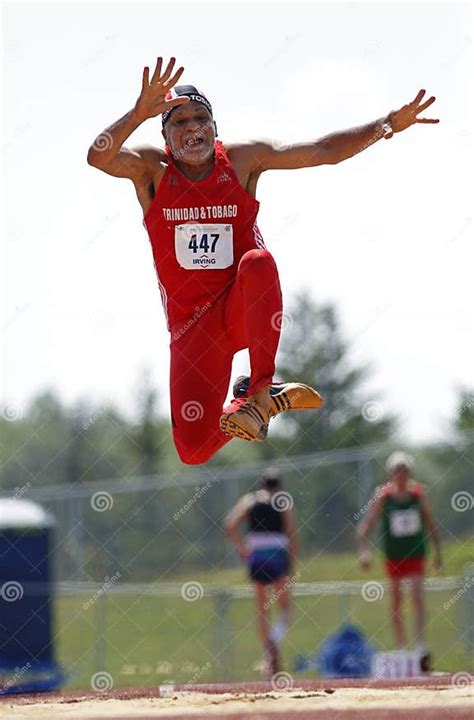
(219, 284)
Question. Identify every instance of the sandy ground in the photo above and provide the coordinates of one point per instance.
(417, 702)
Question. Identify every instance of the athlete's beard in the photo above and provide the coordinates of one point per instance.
(194, 154)
(183, 151)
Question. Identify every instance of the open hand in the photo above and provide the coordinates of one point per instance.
(407, 115)
(152, 97)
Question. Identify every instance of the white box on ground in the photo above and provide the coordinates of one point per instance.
(396, 664)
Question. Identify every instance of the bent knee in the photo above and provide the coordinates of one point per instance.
(193, 457)
(193, 452)
(254, 258)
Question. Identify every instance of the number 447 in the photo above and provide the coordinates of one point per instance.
(203, 244)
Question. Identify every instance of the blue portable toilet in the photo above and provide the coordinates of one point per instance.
(27, 661)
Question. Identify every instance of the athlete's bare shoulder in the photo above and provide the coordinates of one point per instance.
(246, 161)
(155, 158)
(245, 154)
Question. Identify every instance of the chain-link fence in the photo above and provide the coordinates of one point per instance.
(118, 544)
(149, 634)
(149, 528)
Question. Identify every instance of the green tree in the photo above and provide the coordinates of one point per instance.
(32, 443)
(313, 351)
(464, 416)
(454, 489)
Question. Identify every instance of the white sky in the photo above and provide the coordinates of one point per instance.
(387, 236)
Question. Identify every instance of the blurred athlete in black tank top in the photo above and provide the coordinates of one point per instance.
(269, 550)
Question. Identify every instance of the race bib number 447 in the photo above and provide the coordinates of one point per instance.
(208, 247)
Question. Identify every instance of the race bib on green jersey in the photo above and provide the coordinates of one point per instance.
(405, 522)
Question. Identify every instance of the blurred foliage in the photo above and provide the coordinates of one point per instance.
(161, 532)
(313, 351)
(464, 418)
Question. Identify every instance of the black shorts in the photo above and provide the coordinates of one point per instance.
(269, 564)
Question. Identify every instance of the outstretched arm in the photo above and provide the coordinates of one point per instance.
(338, 146)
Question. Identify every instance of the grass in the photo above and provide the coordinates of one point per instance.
(145, 641)
(325, 567)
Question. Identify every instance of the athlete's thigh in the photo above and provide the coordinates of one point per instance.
(417, 584)
(261, 591)
(200, 367)
(234, 317)
(396, 588)
(282, 586)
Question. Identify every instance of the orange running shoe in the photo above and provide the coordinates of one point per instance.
(250, 421)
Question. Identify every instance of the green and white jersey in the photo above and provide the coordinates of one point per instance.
(403, 528)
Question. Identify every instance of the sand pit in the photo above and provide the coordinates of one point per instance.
(432, 700)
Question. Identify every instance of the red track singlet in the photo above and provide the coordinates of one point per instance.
(198, 232)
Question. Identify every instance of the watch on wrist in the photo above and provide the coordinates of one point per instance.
(387, 128)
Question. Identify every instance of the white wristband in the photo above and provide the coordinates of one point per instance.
(387, 129)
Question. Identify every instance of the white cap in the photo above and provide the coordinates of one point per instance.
(399, 459)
